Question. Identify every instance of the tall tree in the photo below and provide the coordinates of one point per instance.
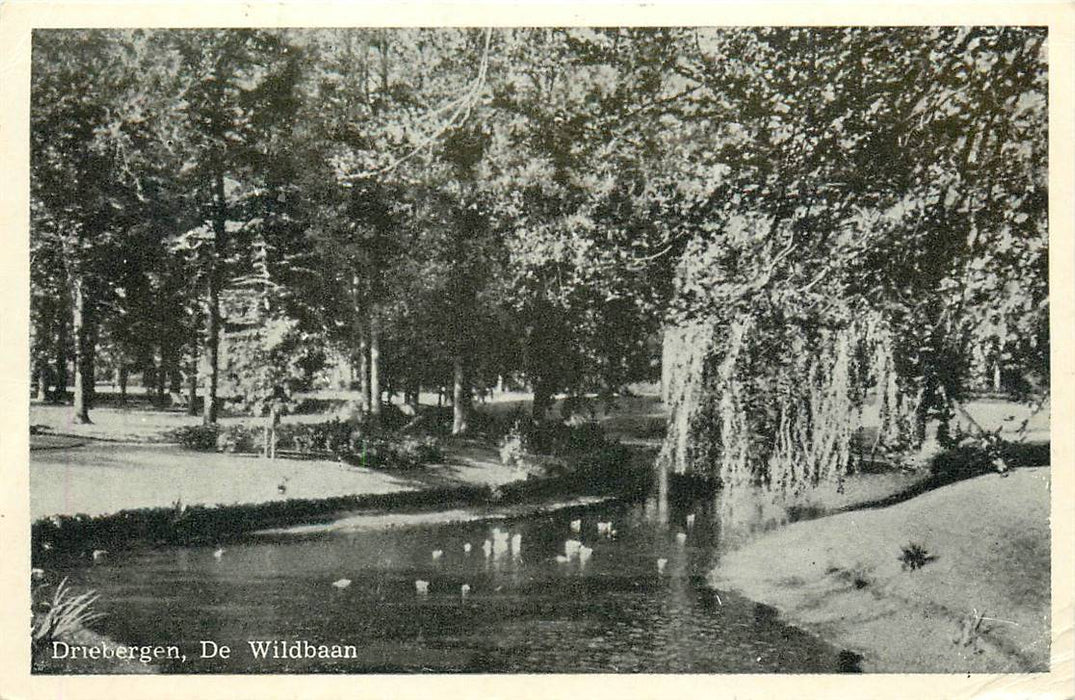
(234, 85)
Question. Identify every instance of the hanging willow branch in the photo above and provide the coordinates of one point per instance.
(462, 109)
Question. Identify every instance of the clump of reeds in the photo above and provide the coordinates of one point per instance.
(63, 614)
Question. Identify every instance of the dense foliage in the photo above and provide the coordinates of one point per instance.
(813, 220)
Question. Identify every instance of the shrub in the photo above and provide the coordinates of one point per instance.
(914, 556)
(421, 450)
(513, 446)
(387, 451)
(334, 436)
(563, 439)
(240, 438)
(196, 437)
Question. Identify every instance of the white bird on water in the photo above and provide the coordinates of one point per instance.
(501, 542)
(421, 587)
(660, 565)
(437, 554)
(681, 537)
(37, 574)
(464, 590)
(576, 525)
(584, 554)
(342, 583)
(219, 553)
(99, 554)
(690, 520)
(466, 548)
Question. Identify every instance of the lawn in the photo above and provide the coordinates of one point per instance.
(987, 553)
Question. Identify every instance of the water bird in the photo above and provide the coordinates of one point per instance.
(437, 554)
(660, 565)
(46, 546)
(464, 590)
(37, 574)
(466, 548)
(421, 587)
(690, 520)
(99, 554)
(500, 541)
(576, 525)
(571, 548)
(342, 583)
(219, 553)
(681, 537)
(584, 554)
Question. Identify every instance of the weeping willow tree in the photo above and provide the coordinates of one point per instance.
(780, 406)
(870, 225)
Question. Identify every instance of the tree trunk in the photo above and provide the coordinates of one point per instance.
(375, 366)
(60, 392)
(175, 376)
(159, 379)
(667, 355)
(42, 380)
(212, 320)
(90, 362)
(121, 380)
(460, 395)
(192, 382)
(271, 421)
(542, 399)
(83, 371)
(411, 398)
(662, 491)
(363, 372)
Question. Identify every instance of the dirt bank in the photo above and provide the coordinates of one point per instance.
(987, 556)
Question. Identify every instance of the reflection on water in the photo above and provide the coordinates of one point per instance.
(533, 604)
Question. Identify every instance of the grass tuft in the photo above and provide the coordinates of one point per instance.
(62, 615)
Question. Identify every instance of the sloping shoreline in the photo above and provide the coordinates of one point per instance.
(980, 603)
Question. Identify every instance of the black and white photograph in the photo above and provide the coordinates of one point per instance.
(519, 349)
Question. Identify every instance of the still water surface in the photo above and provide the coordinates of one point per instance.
(525, 612)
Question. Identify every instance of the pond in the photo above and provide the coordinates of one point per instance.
(527, 610)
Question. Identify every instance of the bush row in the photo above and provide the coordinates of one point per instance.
(349, 441)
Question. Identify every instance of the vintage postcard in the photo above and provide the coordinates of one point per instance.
(495, 351)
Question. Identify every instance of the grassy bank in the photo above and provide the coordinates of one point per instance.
(619, 470)
(975, 596)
